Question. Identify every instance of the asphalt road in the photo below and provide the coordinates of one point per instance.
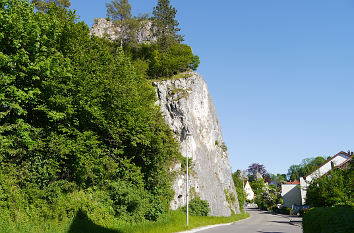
(261, 222)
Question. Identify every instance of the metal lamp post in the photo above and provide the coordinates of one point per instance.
(187, 182)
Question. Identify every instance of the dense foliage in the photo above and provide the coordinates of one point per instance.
(78, 126)
(197, 207)
(269, 198)
(164, 55)
(336, 188)
(329, 220)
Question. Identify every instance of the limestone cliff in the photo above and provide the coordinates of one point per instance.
(106, 28)
(190, 112)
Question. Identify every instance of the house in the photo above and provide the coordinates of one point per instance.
(248, 190)
(294, 193)
(339, 160)
(291, 194)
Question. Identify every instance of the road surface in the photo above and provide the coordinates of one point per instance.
(261, 222)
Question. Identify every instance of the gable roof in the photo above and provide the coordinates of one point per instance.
(329, 160)
(344, 164)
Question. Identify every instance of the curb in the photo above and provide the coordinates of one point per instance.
(211, 226)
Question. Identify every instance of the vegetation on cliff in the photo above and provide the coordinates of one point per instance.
(79, 130)
(165, 55)
(82, 143)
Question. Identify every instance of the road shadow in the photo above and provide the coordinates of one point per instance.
(83, 224)
(270, 231)
(282, 222)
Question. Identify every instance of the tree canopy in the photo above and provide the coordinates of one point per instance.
(43, 5)
(307, 166)
(119, 10)
(165, 25)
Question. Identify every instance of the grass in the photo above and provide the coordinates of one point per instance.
(174, 221)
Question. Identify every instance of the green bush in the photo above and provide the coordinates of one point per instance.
(197, 207)
(329, 220)
(284, 210)
(154, 62)
(332, 189)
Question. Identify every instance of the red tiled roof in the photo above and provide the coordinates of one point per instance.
(294, 182)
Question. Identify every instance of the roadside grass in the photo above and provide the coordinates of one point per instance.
(174, 221)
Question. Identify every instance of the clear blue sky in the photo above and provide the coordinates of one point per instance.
(281, 73)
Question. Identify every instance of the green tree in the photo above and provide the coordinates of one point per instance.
(258, 186)
(333, 188)
(119, 10)
(42, 5)
(165, 25)
(308, 165)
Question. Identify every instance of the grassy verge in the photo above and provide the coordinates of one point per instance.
(174, 221)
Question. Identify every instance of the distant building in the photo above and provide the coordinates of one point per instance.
(294, 193)
(291, 194)
(248, 190)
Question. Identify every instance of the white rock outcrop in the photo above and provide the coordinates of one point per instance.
(190, 112)
(106, 28)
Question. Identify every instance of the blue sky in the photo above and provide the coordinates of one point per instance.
(281, 73)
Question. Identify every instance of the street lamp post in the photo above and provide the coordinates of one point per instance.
(187, 184)
(187, 181)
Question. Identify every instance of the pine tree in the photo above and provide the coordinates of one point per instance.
(165, 25)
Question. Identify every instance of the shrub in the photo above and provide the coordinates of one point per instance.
(177, 59)
(329, 220)
(334, 188)
(197, 207)
(284, 210)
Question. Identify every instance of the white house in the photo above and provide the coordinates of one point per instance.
(325, 167)
(248, 190)
(292, 193)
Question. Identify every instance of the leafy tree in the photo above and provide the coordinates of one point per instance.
(334, 188)
(258, 186)
(259, 168)
(307, 166)
(165, 25)
(177, 59)
(119, 10)
(43, 5)
(278, 178)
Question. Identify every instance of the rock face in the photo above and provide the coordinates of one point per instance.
(190, 112)
(106, 28)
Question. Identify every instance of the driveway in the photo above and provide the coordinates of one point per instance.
(261, 222)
